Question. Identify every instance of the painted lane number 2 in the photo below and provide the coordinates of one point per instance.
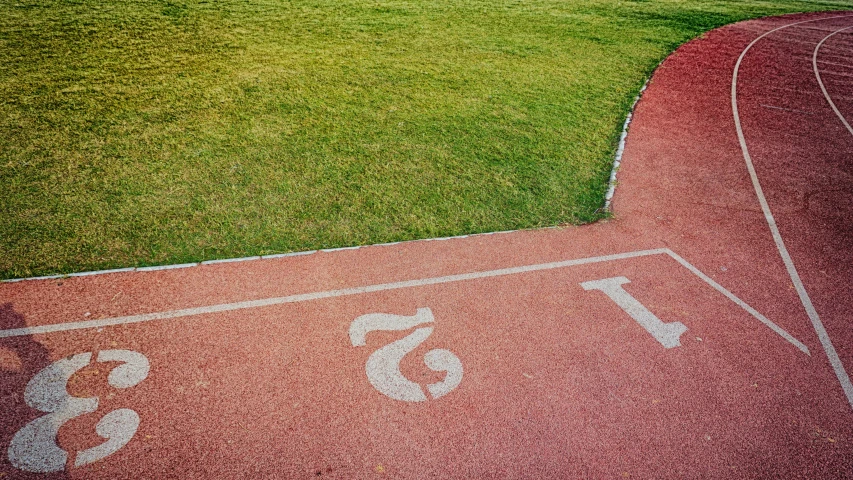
(34, 447)
(383, 365)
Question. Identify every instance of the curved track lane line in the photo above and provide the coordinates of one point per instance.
(823, 336)
(820, 81)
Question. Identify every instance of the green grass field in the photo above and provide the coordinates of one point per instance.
(153, 132)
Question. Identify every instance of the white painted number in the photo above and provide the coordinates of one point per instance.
(383, 365)
(34, 447)
(668, 334)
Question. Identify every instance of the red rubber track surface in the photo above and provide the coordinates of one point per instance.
(558, 381)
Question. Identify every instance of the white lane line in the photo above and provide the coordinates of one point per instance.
(761, 318)
(820, 81)
(822, 335)
(225, 307)
(61, 327)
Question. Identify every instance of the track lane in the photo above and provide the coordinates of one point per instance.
(793, 86)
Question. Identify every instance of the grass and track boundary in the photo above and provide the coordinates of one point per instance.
(157, 133)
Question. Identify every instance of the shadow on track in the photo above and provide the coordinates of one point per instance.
(20, 359)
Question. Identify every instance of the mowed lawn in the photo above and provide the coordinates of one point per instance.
(154, 132)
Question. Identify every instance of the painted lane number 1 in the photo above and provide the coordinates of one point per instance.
(668, 334)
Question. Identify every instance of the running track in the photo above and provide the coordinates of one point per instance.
(704, 331)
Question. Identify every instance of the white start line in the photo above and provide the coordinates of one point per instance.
(303, 297)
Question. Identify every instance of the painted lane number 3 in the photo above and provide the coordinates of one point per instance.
(34, 447)
(383, 365)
